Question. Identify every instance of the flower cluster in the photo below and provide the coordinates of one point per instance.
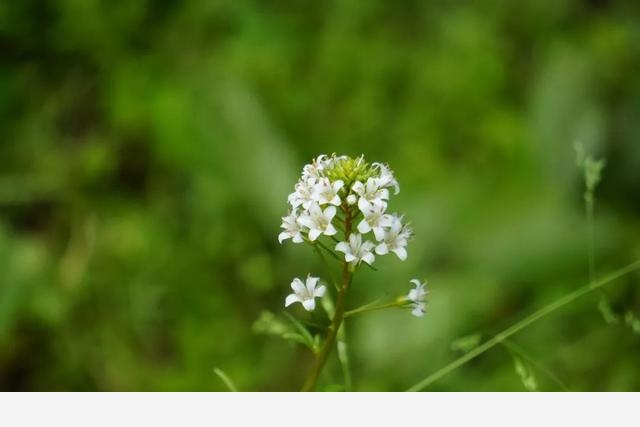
(344, 189)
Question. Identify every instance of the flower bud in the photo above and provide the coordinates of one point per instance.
(351, 199)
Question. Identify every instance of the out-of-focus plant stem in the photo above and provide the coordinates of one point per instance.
(327, 346)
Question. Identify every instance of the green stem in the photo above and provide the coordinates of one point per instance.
(327, 346)
(366, 308)
(518, 326)
(590, 237)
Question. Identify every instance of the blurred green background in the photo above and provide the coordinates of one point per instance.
(147, 149)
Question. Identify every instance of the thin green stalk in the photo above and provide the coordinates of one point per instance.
(369, 307)
(591, 238)
(518, 326)
(327, 346)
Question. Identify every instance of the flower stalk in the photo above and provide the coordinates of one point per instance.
(336, 322)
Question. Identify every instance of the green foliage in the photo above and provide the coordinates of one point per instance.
(467, 343)
(147, 150)
(526, 374)
(293, 331)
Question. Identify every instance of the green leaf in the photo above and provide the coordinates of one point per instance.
(609, 316)
(467, 343)
(633, 322)
(526, 374)
(268, 324)
(225, 379)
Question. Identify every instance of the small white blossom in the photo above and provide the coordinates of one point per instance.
(318, 221)
(305, 294)
(375, 219)
(292, 230)
(395, 239)
(326, 192)
(356, 251)
(371, 192)
(418, 296)
(315, 169)
(303, 194)
(352, 199)
(386, 178)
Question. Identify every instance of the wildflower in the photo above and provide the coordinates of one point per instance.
(418, 296)
(395, 239)
(292, 230)
(369, 193)
(352, 199)
(356, 251)
(305, 294)
(318, 221)
(326, 192)
(374, 219)
(316, 167)
(386, 178)
(303, 194)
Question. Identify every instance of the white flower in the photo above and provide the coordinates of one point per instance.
(316, 167)
(386, 178)
(305, 294)
(326, 192)
(370, 193)
(356, 251)
(318, 222)
(374, 219)
(418, 296)
(292, 230)
(303, 194)
(395, 239)
(352, 199)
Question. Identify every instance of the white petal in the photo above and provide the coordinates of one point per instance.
(330, 230)
(297, 238)
(337, 185)
(330, 212)
(368, 258)
(291, 298)
(336, 200)
(306, 221)
(314, 233)
(382, 249)
(401, 252)
(363, 205)
(297, 286)
(415, 282)
(358, 188)
(343, 247)
(419, 310)
(284, 236)
(386, 220)
(320, 291)
(349, 257)
(309, 304)
(379, 233)
(311, 283)
(364, 227)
